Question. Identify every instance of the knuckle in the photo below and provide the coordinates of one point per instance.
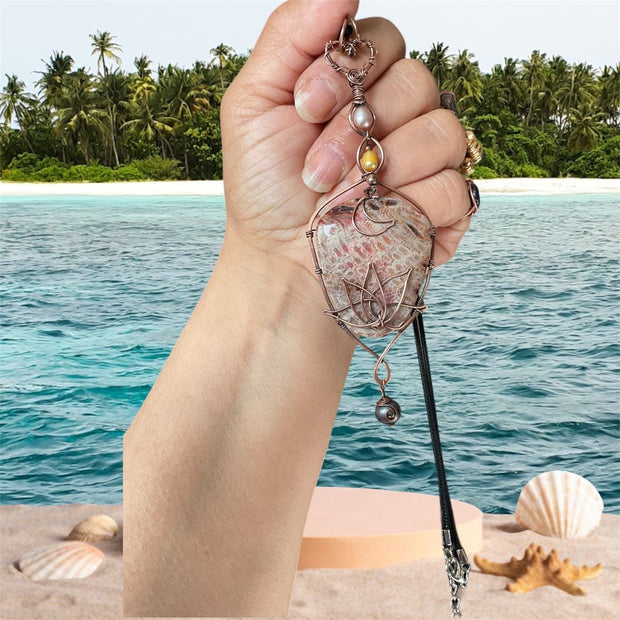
(453, 131)
(416, 81)
(232, 102)
(386, 30)
(281, 15)
(237, 106)
(456, 189)
(228, 98)
(450, 190)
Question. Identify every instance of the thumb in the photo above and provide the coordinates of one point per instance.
(294, 35)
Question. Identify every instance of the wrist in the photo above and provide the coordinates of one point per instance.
(275, 294)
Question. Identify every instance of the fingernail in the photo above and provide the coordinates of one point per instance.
(323, 169)
(315, 100)
(448, 100)
(337, 189)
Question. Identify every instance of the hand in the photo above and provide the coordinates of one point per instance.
(287, 139)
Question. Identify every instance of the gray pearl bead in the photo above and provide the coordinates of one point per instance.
(387, 411)
(362, 117)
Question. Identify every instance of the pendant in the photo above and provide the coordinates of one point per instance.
(373, 256)
(373, 253)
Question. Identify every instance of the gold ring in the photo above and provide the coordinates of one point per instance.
(473, 155)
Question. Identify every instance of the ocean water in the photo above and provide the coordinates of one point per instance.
(522, 328)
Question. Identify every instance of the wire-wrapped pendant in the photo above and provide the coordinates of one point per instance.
(374, 253)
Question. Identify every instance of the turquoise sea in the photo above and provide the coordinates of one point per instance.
(522, 328)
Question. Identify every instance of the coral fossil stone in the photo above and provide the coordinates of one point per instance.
(372, 274)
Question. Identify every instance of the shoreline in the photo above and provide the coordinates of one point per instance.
(488, 187)
(415, 588)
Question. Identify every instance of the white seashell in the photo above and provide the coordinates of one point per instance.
(561, 504)
(97, 527)
(66, 560)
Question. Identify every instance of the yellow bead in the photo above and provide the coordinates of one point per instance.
(369, 161)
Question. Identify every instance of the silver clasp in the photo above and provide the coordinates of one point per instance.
(457, 569)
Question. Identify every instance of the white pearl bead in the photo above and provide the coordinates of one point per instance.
(362, 118)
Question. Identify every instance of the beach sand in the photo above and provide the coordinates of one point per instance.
(414, 590)
(216, 188)
(23, 528)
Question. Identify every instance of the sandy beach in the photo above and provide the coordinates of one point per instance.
(216, 188)
(411, 590)
(130, 188)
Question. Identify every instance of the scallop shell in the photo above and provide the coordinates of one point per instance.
(97, 527)
(560, 504)
(66, 560)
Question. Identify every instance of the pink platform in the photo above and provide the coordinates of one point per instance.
(369, 528)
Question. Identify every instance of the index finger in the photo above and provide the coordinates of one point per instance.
(294, 35)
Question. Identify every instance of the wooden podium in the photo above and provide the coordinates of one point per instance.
(369, 528)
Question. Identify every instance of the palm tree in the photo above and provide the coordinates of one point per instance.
(103, 45)
(578, 92)
(51, 80)
(609, 97)
(185, 95)
(492, 101)
(510, 77)
(142, 65)
(465, 81)
(15, 102)
(51, 85)
(555, 76)
(148, 117)
(210, 83)
(584, 130)
(115, 89)
(234, 65)
(439, 63)
(222, 53)
(175, 87)
(79, 115)
(533, 76)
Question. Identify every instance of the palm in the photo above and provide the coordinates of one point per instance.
(54, 76)
(80, 115)
(439, 62)
(14, 101)
(104, 48)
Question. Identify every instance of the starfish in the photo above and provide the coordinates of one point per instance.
(535, 570)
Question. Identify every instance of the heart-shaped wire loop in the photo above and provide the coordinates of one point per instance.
(350, 45)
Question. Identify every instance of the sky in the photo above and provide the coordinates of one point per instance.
(182, 31)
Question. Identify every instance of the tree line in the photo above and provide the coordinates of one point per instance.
(535, 117)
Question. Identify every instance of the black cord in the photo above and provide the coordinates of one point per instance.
(447, 516)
